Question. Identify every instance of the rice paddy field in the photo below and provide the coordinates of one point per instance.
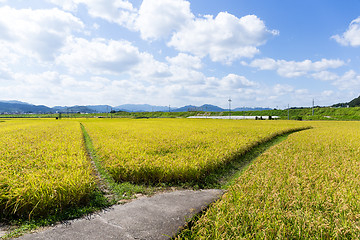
(306, 187)
(43, 167)
(176, 150)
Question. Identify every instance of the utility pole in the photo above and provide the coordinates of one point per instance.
(288, 112)
(229, 107)
(169, 108)
(313, 103)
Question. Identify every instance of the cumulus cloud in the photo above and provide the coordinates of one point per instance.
(7, 59)
(33, 86)
(224, 38)
(349, 81)
(352, 35)
(60, 89)
(159, 18)
(152, 71)
(39, 33)
(116, 71)
(281, 89)
(233, 81)
(68, 5)
(325, 76)
(295, 69)
(99, 56)
(327, 93)
(121, 12)
(185, 60)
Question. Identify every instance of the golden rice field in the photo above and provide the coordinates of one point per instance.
(307, 187)
(44, 167)
(176, 150)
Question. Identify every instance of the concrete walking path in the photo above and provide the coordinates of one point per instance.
(157, 217)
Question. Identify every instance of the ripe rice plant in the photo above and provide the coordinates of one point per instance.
(307, 187)
(44, 167)
(176, 150)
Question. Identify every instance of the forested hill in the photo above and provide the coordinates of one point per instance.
(353, 103)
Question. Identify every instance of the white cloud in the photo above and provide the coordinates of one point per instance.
(117, 11)
(7, 59)
(224, 38)
(114, 71)
(325, 76)
(302, 91)
(233, 81)
(68, 5)
(349, 81)
(184, 76)
(5, 74)
(32, 86)
(295, 69)
(58, 89)
(351, 36)
(327, 93)
(264, 64)
(186, 61)
(38, 33)
(121, 12)
(108, 7)
(91, 85)
(99, 56)
(281, 89)
(159, 18)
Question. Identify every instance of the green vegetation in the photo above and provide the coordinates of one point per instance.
(320, 113)
(353, 103)
(325, 113)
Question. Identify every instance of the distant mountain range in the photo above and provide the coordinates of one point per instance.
(14, 106)
(21, 107)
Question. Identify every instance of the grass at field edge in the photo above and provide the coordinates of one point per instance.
(114, 191)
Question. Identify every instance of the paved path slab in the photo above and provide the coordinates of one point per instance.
(157, 217)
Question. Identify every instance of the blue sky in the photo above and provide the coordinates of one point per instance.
(177, 52)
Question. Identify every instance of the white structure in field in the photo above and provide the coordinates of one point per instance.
(236, 117)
